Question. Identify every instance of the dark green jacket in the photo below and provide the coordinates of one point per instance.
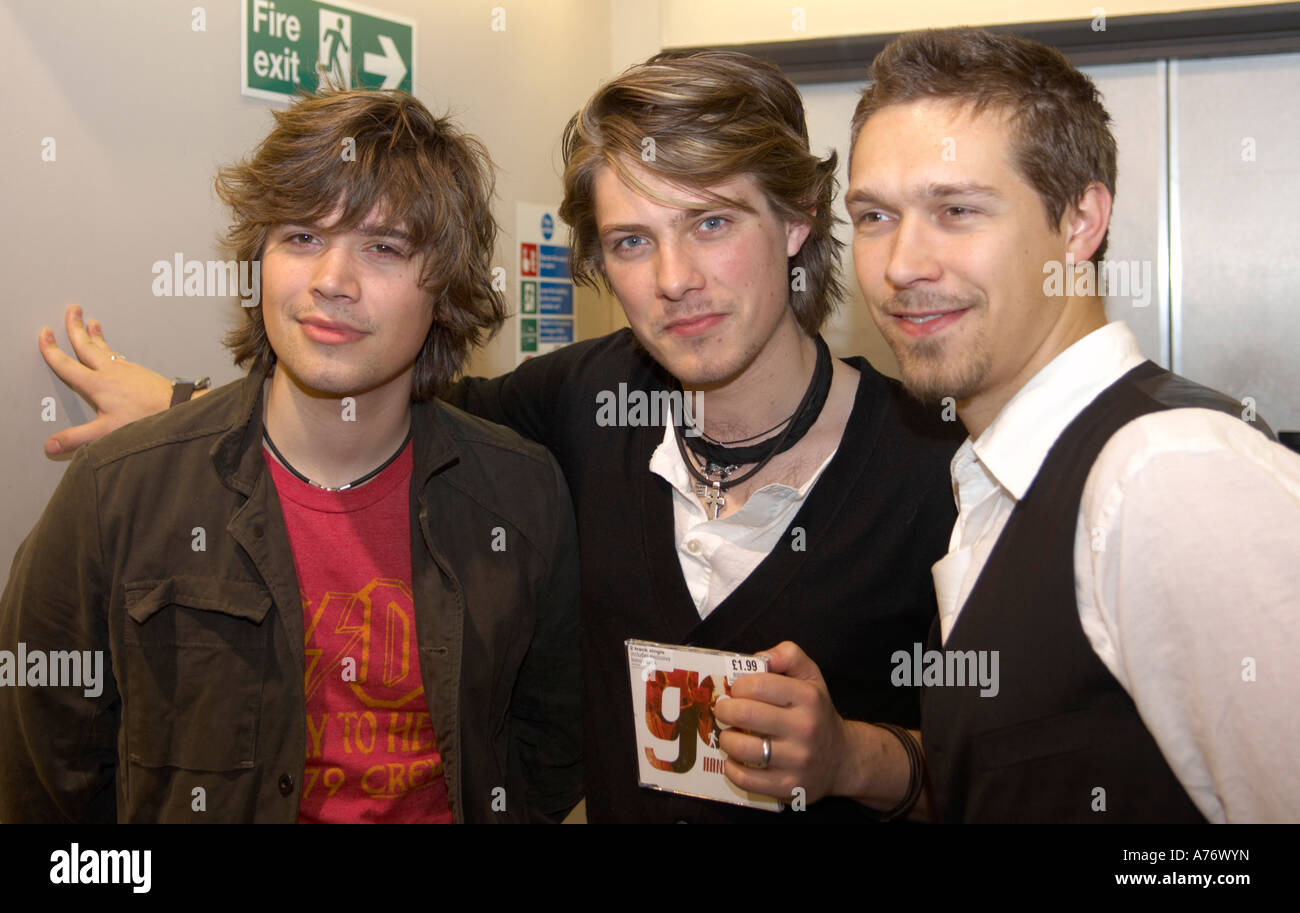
(203, 649)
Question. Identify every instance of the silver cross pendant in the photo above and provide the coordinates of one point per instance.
(713, 497)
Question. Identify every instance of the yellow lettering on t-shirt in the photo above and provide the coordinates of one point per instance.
(366, 723)
(347, 719)
(316, 734)
(404, 730)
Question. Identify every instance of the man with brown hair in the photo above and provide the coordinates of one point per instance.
(691, 193)
(325, 596)
(1126, 543)
(812, 502)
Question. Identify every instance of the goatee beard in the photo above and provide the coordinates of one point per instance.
(934, 373)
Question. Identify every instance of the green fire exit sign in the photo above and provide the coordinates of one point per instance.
(292, 44)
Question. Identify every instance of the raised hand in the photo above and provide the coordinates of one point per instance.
(120, 390)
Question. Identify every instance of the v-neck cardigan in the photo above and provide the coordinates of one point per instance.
(850, 583)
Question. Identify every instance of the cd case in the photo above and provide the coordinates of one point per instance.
(674, 691)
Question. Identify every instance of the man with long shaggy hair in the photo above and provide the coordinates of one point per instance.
(324, 595)
(801, 513)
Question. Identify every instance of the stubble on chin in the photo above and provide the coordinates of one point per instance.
(701, 362)
(933, 376)
(934, 369)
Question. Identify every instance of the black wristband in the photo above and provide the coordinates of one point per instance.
(915, 775)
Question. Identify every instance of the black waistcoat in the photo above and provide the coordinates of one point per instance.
(1060, 726)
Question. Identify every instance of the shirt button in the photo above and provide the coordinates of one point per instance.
(286, 784)
(693, 546)
(257, 532)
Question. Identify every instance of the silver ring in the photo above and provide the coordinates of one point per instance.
(767, 754)
(117, 357)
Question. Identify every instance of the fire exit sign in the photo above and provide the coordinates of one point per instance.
(291, 44)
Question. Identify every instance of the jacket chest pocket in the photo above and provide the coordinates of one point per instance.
(196, 652)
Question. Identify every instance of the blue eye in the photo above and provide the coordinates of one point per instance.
(626, 243)
(713, 223)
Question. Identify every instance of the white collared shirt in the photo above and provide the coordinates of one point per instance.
(717, 555)
(1187, 571)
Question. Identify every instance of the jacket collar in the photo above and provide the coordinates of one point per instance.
(237, 454)
(435, 445)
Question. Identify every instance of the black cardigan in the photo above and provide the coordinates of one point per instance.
(877, 519)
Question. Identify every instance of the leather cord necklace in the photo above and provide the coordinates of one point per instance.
(353, 484)
(719, 461)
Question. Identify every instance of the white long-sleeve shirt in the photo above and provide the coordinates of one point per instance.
(1187, 571)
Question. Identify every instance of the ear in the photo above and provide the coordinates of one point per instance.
(796, 233)
(1085, 222)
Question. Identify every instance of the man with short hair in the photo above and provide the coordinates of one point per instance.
(813, 502)
(325, 596)
(1126, 545)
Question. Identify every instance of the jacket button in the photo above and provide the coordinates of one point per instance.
(286, 784)
(257, 534)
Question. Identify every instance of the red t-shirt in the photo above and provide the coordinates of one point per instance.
(371, 754)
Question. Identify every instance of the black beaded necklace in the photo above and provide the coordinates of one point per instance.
(719, 459)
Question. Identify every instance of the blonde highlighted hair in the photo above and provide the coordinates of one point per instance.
(698, 119)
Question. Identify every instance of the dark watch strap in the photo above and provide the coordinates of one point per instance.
(182, 390)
